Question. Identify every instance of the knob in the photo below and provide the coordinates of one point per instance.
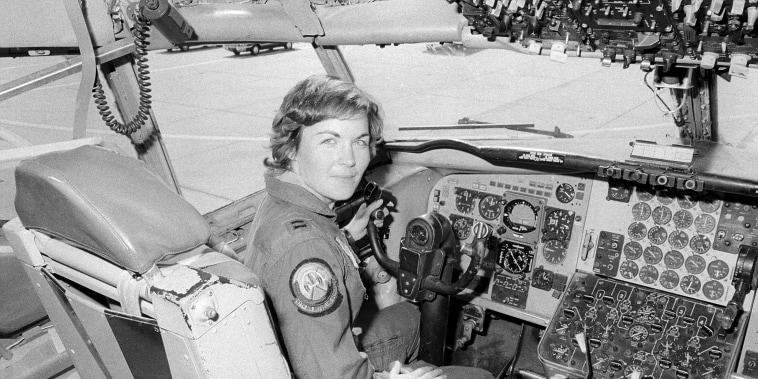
(662, 180)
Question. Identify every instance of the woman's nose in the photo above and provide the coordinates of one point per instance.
(347, 156)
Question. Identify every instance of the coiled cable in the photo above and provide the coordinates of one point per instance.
(141, 32)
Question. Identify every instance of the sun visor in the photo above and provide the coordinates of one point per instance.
(109, 204)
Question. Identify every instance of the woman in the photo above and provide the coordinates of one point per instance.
(324, 135)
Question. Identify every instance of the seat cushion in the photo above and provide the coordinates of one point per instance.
(109, 204)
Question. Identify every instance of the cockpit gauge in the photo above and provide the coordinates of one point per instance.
(709, 204)
(687, 200)
(646, 313)
(520, 216)
(629, 269)
(563, 327)
(632, 250)
(690, 284)
(462, 227)
(683, 219)
(718, 269)
(648, 274)
(644, 193)
(464, 200)
(481, 230)
(653, 255)
(700, 244)
(542, 279)
(489, 207)
(514, 257)
(619, 190)
(558, 224)
(637, 231)
(705, 223)
(713, 290)
(694, 264)
(554, 251)
(678, 239)
(634, 370)
(657, 234)
(662, 215)
(665, 197)
(638, 333)
(565, 193)
(673, 259)
(669, 279)
(419, 234)
(641, 211)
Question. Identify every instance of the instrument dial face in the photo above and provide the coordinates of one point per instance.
(565, 193)
(515, 257)
(558, 224)
(653, 255)
(690, 284)
(665, 197)
(705, 223)
(462, 227)
(648, 274)
(662, 215)
(632, 250)
(678, 239)
(554, 251)
(489, 207)
(419, 234)
(644, 194)
(709, 204)
(669, 279)
(481, 230)
(700, 244)
(629, 269)
(718, 269)
(687, 200)
(713, 290)
(683, 219)
(694, 264)
(673, 259)
(657, 235)
(521, 216)
(464, 200)
(638, 333)
(542, 279)
(641, 211)
(637, 231)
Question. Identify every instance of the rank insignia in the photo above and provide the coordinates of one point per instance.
(315, 288)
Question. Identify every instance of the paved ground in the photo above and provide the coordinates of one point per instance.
(214, 109)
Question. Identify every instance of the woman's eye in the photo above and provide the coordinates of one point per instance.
(361, 143)
(329, 141)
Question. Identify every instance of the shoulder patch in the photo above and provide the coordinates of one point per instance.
(315, 288)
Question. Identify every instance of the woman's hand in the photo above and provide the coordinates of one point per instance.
(357, 226)
(399, 371)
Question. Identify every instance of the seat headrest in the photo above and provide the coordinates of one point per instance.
(109, 204)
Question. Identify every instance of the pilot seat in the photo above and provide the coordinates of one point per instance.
(124, 269)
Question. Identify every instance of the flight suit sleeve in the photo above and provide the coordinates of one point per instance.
(312, 306)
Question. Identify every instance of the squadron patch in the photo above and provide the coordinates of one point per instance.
(315, 288)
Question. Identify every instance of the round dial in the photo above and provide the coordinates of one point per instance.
(565, 193)
(489, 207)
(678, 239)
(462, 228)
(665, 197)
(641, 211)
(657, 234)
(653, 255)
(669, 279)
(520, 216)
(683, 219)
(629, 269)
(718, 269)
(713, 290)
(700, 244)
(705, 223)
(638, 333)
(694, 264)
(542, 279)
(634, 370)
(419, 234)
(709, 204)
(554, 251)
(637, 230)
(515, 258)
(632, 250)
(648, 274)
(690, 284)
(481, 230)
(662, 215)
(558, 224)
(464, 200)
(687, 200)
(673, 259)
(644, 194)
(646, 312)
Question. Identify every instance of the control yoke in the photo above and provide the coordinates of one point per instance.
(427, 258)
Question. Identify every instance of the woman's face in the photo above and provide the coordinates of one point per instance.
(332, 156)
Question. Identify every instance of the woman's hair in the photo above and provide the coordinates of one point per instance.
(311, 101)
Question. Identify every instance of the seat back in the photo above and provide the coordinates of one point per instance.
(121, 265)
